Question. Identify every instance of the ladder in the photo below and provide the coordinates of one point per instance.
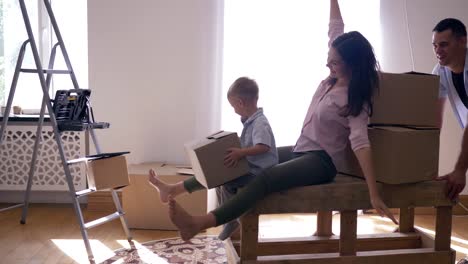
(45, 77)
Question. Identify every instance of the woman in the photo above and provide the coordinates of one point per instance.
(337, 117)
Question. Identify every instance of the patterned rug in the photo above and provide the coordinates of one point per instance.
(200, 249)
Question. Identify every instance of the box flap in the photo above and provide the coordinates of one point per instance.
(401, 127)
(106, 155)
(220, 134)
(418, 73)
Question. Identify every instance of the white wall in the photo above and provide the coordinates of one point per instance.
(423, 15)
(152, 68)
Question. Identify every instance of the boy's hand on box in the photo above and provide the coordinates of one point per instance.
(233, 155)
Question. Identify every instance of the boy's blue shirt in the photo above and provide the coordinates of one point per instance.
(257, 130)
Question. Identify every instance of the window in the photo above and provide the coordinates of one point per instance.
(282, 44)
(72, 21)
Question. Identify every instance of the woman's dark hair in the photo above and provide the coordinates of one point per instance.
(358, 55)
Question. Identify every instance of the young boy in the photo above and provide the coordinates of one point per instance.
(257, 146)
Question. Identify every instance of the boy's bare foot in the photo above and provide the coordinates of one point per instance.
(187, 224)
(164, 189)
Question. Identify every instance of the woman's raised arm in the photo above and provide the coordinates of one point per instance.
(335, 13)
(336, 25)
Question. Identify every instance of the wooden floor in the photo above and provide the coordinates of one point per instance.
(51, 234)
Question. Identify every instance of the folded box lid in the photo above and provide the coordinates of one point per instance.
(220, 134)
(198, 143)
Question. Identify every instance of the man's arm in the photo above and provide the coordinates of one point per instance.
(456, 180)
(459, 173)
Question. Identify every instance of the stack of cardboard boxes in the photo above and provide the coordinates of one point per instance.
(403, 130)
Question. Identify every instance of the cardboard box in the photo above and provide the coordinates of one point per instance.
(207, 158)
(400, 155)
(107, 173)
(407, 99)
(141, 204)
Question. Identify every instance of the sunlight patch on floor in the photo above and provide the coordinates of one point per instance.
(427, 231)
(459, 240)
(453, 238)
(126, 244)
(380, 218)
(76, 250)
(281, 226)
(287, 225)
(460, 249)
(305, 225)
(145, 255)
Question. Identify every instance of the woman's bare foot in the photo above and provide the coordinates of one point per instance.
(164, 189)
(187, 224)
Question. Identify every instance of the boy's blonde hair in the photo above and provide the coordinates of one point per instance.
(245, 88)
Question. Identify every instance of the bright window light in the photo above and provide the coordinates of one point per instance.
(71, 17)
(282, 44)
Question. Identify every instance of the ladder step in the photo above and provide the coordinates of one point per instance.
(69, 107)
(84, 192)
(102, 220)
(78, 126)
(46, 71)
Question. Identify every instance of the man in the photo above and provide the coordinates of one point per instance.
(449, 42)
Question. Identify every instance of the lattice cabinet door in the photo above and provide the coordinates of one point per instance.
(16, 153)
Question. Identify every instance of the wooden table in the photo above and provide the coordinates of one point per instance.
(347, 195)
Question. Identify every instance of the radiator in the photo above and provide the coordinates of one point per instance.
(16, 154)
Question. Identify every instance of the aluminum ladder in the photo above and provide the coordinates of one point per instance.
(45, 77)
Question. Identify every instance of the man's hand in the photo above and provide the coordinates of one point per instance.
(456, 181)
(234, 154)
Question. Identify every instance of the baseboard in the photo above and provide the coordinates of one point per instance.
(101, 201)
